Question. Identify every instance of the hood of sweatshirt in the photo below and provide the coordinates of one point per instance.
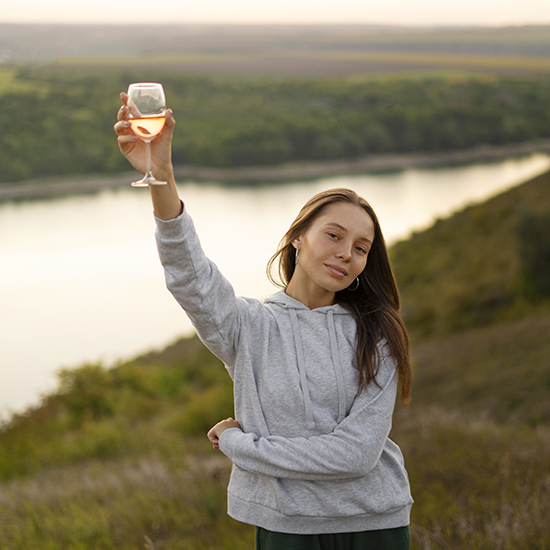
(282, 299)
(326, 315)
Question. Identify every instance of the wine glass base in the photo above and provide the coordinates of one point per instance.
(142, 183)
(147, 181)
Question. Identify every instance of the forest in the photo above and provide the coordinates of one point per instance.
(58, 121)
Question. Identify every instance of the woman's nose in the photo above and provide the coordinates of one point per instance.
(344, 253)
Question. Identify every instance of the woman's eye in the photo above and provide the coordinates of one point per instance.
(333, 235)
(361, 250)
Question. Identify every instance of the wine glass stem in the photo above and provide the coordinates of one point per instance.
(147, 157)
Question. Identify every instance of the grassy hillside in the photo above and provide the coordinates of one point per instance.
(468, 271)
(118, 458)
(499, 372)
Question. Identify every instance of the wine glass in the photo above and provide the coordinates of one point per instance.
(146, 110)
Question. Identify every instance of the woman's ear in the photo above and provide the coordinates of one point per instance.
(296, 243)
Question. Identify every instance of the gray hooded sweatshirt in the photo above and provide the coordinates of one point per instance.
(313, 455)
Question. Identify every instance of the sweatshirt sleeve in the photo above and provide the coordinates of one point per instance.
(202, 291)
(350, 451)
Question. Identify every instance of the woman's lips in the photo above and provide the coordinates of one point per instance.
(336, 270)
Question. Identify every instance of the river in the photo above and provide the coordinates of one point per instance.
(80, 279)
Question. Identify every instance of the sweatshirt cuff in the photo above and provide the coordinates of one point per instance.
(228, 440)
(174, 229)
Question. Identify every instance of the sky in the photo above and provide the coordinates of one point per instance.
(400, 12)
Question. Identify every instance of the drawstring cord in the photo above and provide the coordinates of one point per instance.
(337, 368)
(301, 368)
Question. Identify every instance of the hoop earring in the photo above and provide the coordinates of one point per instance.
(297, 254)
(357, 282)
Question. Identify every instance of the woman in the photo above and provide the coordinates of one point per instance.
(316, 369)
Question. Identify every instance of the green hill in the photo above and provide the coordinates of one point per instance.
(479, 311)
(117, 458)
(469, 270)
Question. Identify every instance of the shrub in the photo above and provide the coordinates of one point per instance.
(83, 393)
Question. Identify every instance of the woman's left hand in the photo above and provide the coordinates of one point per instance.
(215, 433)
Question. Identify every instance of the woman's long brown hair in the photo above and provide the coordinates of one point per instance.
(374, 305)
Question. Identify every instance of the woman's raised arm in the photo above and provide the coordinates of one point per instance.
(166, 202)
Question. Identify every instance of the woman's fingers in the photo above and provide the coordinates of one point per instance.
(122, 139)
(122, 113)
(170, 120)
(122, 126)
(213, 439)
(125, 136)
(124, 99)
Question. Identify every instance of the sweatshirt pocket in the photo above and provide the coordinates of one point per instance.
(253, 488)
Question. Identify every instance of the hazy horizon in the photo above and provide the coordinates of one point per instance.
(284, 12)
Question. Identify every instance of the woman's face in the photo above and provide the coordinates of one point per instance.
(333, 251)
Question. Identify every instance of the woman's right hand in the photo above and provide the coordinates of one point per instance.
(166, 202)
(133, 148)
(215, 432)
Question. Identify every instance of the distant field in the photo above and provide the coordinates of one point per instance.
(328, 63)
(284, 50)
(10, 83)
(42, 43)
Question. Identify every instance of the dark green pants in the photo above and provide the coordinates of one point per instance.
(384, 539)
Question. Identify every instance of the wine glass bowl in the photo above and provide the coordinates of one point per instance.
(146, 114)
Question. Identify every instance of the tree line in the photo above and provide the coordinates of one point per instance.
(62, 123)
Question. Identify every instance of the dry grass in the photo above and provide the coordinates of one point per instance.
(142, 502)
(477, 484)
